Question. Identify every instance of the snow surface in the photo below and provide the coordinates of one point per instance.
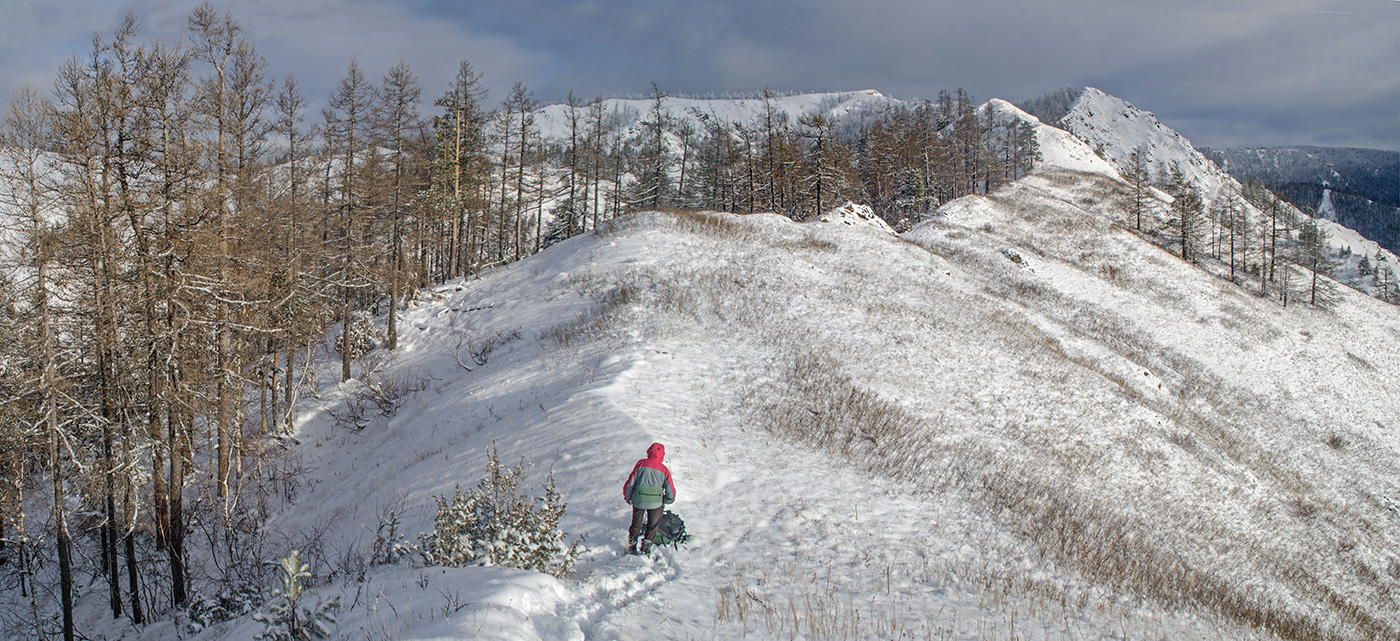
(854, 214)
(1117, 127)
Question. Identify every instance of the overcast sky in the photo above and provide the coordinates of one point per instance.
(1224, 73)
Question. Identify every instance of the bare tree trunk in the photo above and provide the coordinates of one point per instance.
(50, 414)
(175, 544)
(134, 584)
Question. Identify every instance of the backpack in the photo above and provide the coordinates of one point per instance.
(671, 530)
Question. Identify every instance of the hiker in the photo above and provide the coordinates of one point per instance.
(648, 489)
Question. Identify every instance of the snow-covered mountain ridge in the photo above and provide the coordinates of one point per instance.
(1115, 129)
(1019, 420)
(1020, 397)
(1107, 125)
(888, 431)
(553, 120)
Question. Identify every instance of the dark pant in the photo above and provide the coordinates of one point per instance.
(653, 519)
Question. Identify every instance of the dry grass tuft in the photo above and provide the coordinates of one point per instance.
(598, 320)
(809, 241)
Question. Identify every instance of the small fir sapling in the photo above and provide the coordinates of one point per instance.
(283, 623)
(499, 524)
(363, 339)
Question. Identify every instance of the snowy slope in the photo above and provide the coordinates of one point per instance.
(1059, 149)
(873, 437)
(1116, 128)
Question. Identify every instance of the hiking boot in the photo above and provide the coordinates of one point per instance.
(631, 547)
(646, 546)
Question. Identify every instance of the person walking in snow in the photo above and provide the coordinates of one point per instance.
(648, 489)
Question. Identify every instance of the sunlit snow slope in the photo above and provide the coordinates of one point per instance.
(1018, 420)
(1026, 422)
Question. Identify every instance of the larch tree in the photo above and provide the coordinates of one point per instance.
(1186, 213)
(520, 119)
(822, 176)
(653, 187)
(216, 41)
(290, 244)
(30, 188)
(460, 172)
(1313, 253)
(346, 129)
(399, 123)
(1138, 175)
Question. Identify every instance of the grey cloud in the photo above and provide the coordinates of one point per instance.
(1317, 71)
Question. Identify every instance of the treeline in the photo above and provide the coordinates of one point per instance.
(182, 232)
(903, 160)
(1282, 252)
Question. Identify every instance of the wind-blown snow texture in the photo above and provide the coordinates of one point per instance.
(1019, 420)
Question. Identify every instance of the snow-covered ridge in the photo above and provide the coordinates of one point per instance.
(553, 120)
(1115, 128)
(1059, 149)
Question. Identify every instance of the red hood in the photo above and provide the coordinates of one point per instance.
(656, 451)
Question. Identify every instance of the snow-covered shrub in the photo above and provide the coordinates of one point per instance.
(499, 524)
(380, 393)
(363, 337)
(284, 622)
(233, 602)
(389, 543)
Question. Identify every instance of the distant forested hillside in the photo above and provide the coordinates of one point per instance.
(1052, 106)
(1364, 183)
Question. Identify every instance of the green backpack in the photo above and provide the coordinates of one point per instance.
(671, 530)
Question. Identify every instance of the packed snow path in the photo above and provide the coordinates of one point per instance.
(787, 541)
(781, 533)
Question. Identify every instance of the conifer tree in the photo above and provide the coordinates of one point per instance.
(32, 191)
(599, 130)
(460, 171)
(291, 241)
(217, 42)
(518, 123)
(1186, 213)
(654, 162)
(1313, 254)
